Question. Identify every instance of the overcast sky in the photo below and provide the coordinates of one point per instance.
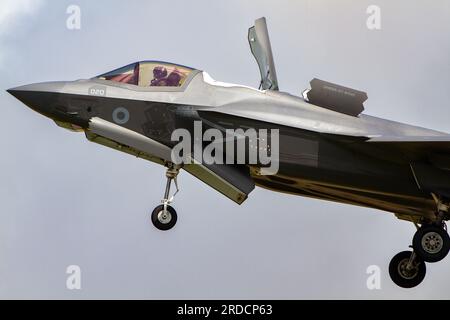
(65, 201)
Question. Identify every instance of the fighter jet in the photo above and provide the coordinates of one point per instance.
(326, 147)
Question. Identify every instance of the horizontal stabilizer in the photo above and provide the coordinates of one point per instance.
(335, 97)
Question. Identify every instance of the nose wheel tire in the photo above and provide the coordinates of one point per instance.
(164, 220)
(407, 271)
(164, 217)
(431, 243)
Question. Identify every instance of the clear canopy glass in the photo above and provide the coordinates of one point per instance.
(150, 74)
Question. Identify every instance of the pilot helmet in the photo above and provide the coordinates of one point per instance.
(174, 79)
(159, 72)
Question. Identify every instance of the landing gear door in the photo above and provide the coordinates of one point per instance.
(258, 37)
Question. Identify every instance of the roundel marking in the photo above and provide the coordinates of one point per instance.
(121, 115)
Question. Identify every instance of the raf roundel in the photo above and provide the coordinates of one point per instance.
(121, 116)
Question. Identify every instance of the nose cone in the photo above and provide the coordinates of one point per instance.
(41, 97)
(51, 100)
(26, 97)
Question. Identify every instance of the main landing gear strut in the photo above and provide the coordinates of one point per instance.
(164, 217)
(431, 243)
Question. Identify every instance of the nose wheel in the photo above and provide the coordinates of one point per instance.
(164, 217)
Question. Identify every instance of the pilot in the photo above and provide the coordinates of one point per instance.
(174, 79)
(159, 75)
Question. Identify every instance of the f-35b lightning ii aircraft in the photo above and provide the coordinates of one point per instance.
(328, 149)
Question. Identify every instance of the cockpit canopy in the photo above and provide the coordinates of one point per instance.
(150, 74)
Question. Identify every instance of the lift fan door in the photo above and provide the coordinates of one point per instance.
(258, 37)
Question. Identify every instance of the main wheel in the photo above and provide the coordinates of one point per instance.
(431, 243)
(404, 276)
(164, 220)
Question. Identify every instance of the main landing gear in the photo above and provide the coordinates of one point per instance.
(431, 243)
(164, 217)
(407, 270)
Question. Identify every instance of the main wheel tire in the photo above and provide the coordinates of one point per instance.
(403, 277)
(164, 221)
(431, 243)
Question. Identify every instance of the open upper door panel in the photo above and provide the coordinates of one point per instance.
(258, 37)
(335, 97)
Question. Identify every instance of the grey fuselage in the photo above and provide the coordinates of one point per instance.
(323, 154)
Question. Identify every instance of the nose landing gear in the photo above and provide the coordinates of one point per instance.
(164, 217)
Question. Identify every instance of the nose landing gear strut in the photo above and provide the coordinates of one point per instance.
(164, 217)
